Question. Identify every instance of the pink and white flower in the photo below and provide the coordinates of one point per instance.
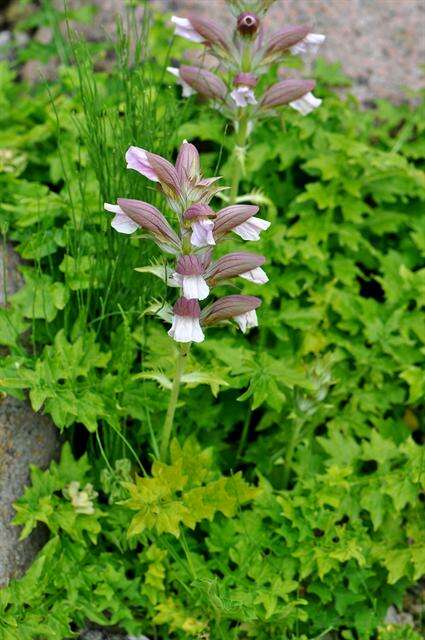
(187, 90)
(231, 217)
(138, 160)
(309, 46)
(247, 320)
(257, 275)
(250, 229)
(205, 82)
(121, 222)
(306, 104)
(134, 214)
(237, 307)
(243, 96)
(189, 275)
(205, 30)
(185, 326)
(202, 227)
(184, 28)
(285, 92)
(155, 168)
(240, 263)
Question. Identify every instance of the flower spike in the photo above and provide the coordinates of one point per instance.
(200, 228)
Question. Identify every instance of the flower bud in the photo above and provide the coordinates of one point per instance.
(284, 39)
(286, 91)
(248, 23)
(187, 163)
(204, 82)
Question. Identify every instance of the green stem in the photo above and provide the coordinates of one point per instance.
(174, 396)
(290, 450)
(245, 432)
(241, 127)
(237, 173)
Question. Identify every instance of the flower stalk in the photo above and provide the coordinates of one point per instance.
(167, 427)
(239, 152)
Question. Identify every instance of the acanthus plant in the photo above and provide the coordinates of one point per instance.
(190, 246)
(228, 71)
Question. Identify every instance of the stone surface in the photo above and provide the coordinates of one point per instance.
(25, 438)
(10, 278)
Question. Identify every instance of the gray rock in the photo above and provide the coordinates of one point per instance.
(10, 278)
(25, 438)
(401, 618)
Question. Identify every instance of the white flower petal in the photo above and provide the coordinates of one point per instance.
(243, 96)
(121, 222)
(251, 229)
(202, 233)
(113, 208)
(195, 287)
(186, 329)
(309, 46)
(306, 104)
(257, 275)
(137, 159)
(185, 30)
(247, 320)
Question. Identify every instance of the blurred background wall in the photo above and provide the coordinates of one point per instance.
(380, 43)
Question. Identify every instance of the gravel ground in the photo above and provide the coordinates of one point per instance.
(380, 43)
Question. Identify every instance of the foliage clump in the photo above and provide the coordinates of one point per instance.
(292, 504)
